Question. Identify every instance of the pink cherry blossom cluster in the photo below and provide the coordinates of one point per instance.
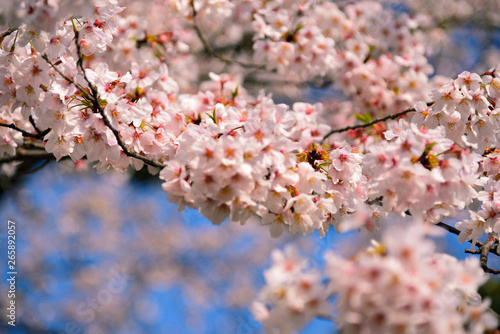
(400, 285)
(288, 39)
(437, 175)
(39, 24)
(403, 285)
(151, 34)
(466, 105)
(32, 89)
(293, 295)
(37, 18)
(10, 140)
(29, 90)
(485, 220)
(226, 154)
(245, 157)
(375, 58)
(383, 67)
(455, 9)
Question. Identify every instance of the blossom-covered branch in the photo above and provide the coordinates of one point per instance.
(94, 98)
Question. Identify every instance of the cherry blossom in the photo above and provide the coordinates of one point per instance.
(176, 87)
(398, 284)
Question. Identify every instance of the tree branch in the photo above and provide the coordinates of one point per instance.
(25, 133)
(210, 50)
(366, 125)
(489, 247)
(478, 243)
(97, 105)
(485, 251)
(32, 121)
(449, 228)
(28, 156)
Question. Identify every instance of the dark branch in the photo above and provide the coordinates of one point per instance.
(478, 243)
(32, 121)
(484, 250)
(489, 247)
(448, 228)
(28, 156)
(122, 144)
(25, 133)
(366, 125)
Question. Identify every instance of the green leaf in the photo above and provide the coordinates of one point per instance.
(429, 147)
(366, 118)
(235, 93)
(213, 117)
(298, 28)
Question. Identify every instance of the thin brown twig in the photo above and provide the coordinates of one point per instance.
(366, 125)
(210, 50)
(40, 133)
(97, 105)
